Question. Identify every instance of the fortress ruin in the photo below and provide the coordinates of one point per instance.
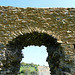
(52, 27)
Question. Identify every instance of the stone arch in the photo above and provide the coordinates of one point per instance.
(14, 51)
(58, 22)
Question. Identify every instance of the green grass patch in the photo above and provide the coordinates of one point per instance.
(28, 69)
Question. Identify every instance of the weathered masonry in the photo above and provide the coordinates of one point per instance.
(52, 27)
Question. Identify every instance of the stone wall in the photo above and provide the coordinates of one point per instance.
(19, 24)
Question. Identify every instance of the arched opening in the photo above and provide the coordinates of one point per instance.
(34, 61)
(14, 50)
(35, 54)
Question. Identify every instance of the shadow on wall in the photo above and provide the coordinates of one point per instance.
(14, 50)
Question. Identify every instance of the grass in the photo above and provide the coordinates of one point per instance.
(28, 69)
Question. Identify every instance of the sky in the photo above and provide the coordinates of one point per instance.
(38, 3)
(35, 54)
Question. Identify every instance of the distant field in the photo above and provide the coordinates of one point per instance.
(28, 69)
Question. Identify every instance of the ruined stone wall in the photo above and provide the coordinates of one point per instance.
(58, 22)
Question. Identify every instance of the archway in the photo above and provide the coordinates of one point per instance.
(14, 51)
(34, 61)
(35, 54)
